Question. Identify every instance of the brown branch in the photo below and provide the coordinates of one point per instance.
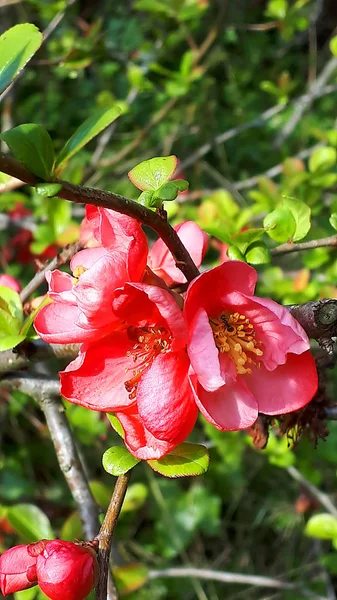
(59, 260)
(106, 533)
(81, 194)
(288, 248)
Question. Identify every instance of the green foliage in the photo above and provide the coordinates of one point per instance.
(11, 318)
(154, 173)
(30, 522)
(118, 460)
(31, 144)
(185, 460)
(17, 46)
(322, 526)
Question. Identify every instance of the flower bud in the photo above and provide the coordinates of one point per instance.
(66, 571)
(17, 570)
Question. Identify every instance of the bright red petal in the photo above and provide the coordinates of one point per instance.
(165, 399)
(289, 387)
(17, 570)
(230, 408)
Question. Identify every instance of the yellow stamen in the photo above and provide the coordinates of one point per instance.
(235, 335)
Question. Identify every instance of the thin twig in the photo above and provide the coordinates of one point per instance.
(58, 261)
(46, 392)
(86, 195)
(305, 101)
(322, 498)
(226, 577)
(288, 248)
(106, 533)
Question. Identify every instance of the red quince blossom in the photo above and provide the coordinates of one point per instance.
(11, 282)
(66, 571)
(161, 261)
(17, 570)
(139, 372)
(248, 354)
(112, 230)
(82, 304)
(63, 570)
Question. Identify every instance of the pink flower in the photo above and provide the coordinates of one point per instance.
(17, 570)
(11, 282)
(66, 571)
(140, 372)
(161, 261)
(82, 305)
(248, 354)
(119, 232)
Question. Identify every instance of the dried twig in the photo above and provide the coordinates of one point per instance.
(287, 248)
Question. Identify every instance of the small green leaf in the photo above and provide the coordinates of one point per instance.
(135, 497)
(185, 460)
(322, 526)
(7, 342)
(147, 199)
(117, 460)
(333, 220)
(31, 144)
(115, 424)
(333, 45)
(10, 301)
(167, 192)
(302, 215)
(48, 190)
(72, 528)
(245, 238)
(30, 522)
(130, 578)
(86, 132)
(152, 174)
(257, 254)
(280, 224)
(322, 159)
(17, 46)
(234, 253)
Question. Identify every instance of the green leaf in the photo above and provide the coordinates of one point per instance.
(185, 460)
(17, 46)
(10, 341)
(152, 174)
(30, 522)
(117, 460)
(10, 301)
(86, 132)
(333, 45)
(302, 215)
(244, 239)
(333, 220)
(322, 159)
(72, 528)
(130, 578)
(234, 253)
(322, 526)
(280, 224)
(31, 144)
(48, 190)
(115, 424)
(257, 254)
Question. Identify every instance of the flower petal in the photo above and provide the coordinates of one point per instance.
(289, 387)
(165, 399)
(230, 408)
(57, 323)
(96, 378)
(138, 440)
(17, 570)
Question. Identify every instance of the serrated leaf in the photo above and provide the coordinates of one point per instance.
(322, 159)
(117, 460)
(86, 132)
(130, 578)
(30, 522)
(280, 224)
(257, 254)
(31, 144)
(152, 174)
(322, 526)
(17, 46)
(302, 215)
(186, 460)
(333, 220)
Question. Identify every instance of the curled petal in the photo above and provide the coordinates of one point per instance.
(57, 324)
(230, 408)
(17, 570)
(165, 399)
(289, 387)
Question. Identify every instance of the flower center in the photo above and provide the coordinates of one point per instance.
(149, 342)
(235, 335)
(77, 272)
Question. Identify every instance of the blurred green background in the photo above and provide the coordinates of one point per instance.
(244, 93)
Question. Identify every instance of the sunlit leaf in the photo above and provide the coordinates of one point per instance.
(17, 46)
(185, 460)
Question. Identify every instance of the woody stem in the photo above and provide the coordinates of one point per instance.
(106, 533)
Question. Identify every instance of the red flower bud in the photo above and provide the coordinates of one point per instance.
(17, 570)
(66, 571)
